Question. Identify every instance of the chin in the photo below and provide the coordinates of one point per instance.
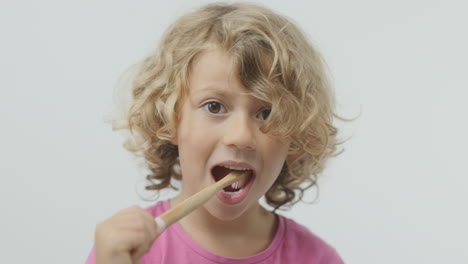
(225, 212)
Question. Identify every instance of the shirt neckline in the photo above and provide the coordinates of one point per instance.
(275, 243)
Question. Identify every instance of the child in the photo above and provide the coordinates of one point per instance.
(231, 87)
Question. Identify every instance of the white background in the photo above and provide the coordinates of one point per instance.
(396, 195)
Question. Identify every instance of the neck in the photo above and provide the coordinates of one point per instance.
(255, 229)
(255, 218)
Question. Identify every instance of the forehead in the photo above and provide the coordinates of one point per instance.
(213, 69)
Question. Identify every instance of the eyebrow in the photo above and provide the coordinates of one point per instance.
(211, 90)
(223, 93)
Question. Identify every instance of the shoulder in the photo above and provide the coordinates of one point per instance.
(158, 208)
(302, 241)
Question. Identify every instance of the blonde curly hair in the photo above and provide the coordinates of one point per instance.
(275, 63)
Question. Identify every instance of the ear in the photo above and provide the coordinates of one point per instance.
(174, 140)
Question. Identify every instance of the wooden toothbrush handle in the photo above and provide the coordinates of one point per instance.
(196, 200)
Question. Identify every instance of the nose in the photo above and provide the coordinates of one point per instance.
(240, 132)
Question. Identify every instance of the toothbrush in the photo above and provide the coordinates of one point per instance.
(196, 200)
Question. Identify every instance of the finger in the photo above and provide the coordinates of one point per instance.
(138, 252)
(146, 226)
(151, 225)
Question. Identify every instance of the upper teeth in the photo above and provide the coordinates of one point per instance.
(235, 168)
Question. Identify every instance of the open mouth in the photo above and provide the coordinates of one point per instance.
(220, 172)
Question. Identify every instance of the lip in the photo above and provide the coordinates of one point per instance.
(237, 198)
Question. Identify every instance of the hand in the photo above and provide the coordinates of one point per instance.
(125, 237)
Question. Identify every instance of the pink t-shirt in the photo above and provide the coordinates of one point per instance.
(293, 243)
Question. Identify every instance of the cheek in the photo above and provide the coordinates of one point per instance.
(276, 153)
(194, 142)
(277, 150)
(192, 156)
(187, 141)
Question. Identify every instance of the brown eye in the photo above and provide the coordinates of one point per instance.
(214, 107)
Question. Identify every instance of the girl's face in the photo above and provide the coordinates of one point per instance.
(219, 130)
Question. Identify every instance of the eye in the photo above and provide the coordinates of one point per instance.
(214, 107)
(264, 114)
